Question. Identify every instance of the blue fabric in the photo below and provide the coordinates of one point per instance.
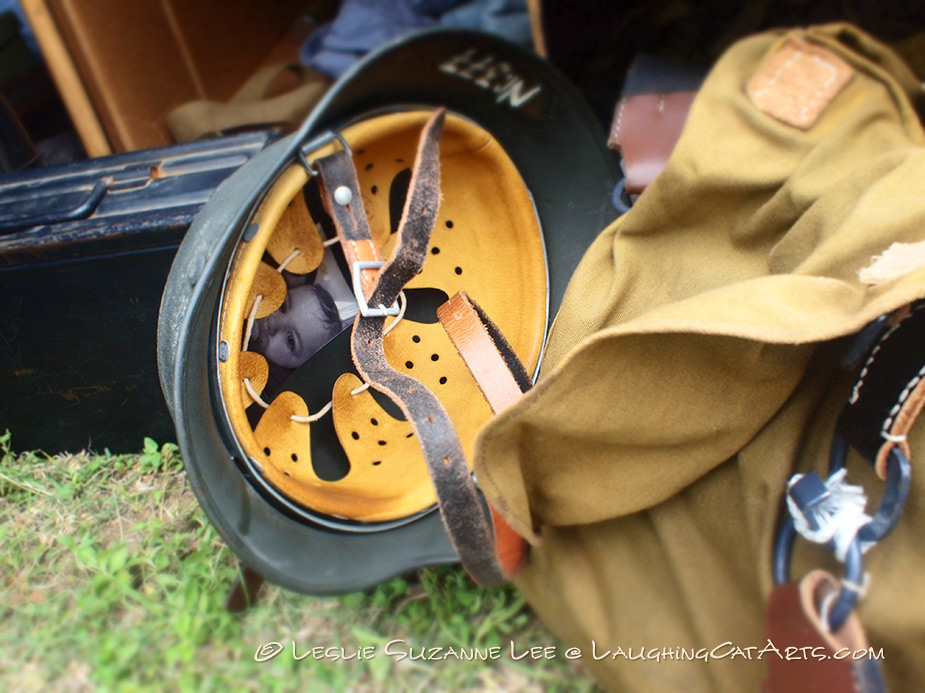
(361, 25)
(434, 8)
(25, 29)
(507, 18)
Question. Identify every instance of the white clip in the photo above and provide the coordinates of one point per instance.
(839, 516)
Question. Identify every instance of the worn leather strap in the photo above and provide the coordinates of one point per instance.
(650, 115)
(501, 378)
(488, 355)
(459, 503)
(889, 393)
(819, 660)
(350, 218)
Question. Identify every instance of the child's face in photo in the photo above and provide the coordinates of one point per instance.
(297, 330)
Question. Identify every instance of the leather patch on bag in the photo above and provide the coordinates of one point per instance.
(797, 82)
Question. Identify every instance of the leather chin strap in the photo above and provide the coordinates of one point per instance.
(501, 378)
(460, 505)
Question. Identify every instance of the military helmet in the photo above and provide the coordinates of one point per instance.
(315, 480)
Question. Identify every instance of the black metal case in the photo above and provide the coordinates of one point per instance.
(84, 254)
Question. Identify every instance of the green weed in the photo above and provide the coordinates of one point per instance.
(112, 579)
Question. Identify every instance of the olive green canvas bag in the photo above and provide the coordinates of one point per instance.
(693, 369)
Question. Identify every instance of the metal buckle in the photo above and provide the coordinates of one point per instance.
(365, 309)
(317, 143)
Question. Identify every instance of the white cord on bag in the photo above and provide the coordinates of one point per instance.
(839, 516)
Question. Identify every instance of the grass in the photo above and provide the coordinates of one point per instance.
(112, 579)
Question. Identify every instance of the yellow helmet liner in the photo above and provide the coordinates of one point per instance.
(487, 241)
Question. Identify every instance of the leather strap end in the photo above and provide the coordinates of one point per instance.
(645, 130)
(502, 379)
(650, 115)
(809, 657)
(488, 355)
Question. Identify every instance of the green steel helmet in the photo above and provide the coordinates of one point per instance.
(315, 480)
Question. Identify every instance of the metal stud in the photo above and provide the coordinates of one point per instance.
(343, 195)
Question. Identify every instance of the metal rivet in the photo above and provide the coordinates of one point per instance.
(251, 231)
(224, 351)
(343, 195)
